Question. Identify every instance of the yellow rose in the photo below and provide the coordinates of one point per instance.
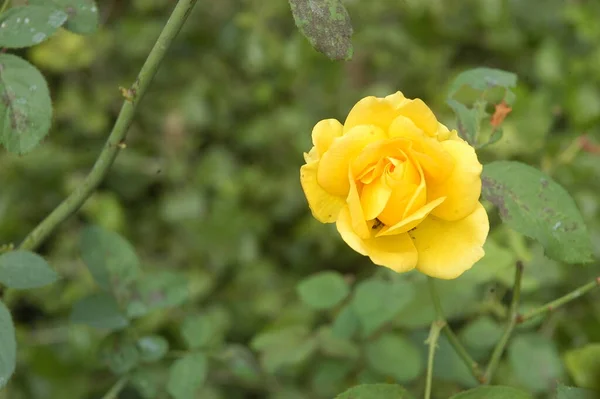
(401, 187)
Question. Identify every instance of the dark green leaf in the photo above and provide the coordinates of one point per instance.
(583, 365)
(565, 392)
(327, 26)
(375, 391)
(8, 346)
(26, 108)
(152, 348)
(187, 375)
(483, 79)
(395, 356)
(83, 16)
(119, 353)
(29, 25)
(24, 269)
(323, 290)
(494, 392)
(99, 310)
(536, 206)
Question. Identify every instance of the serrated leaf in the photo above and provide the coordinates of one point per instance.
(99, 310)
(25, 105)
(152, 348)
(494, 392)
(187, 375)
(327, 26)
(110, 258)
(375, 391)
(8, 346)
(23, 270)
(534, 205)
(323, 290)
(119, 353)
(26, 26)
(565, 392)
(395, 356)
(583, 365)
(83, 16)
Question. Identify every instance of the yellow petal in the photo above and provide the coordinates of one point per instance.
(395, 252)
(324, 206)
(462, 188)
(411, 221)
(312, 155)
(324, 133)
(417, 111)
(396, 99)
(448, 249)
(359, 222)
(404, 127)
(371, 111)
(374, 197)
(333, 167)
(344, 227)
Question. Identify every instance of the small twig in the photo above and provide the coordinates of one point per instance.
(434, 335)
(550, 306)
(4, 6)
(512, 322)
(117, 388)
(452, 338)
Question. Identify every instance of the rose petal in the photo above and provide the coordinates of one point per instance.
(359, 222)
(324, 206)
(448, 249)
(324, 133)
(344, 227)
(411, 221)
(374, 197)
(417, 111)
(372, 111)
(395, 252)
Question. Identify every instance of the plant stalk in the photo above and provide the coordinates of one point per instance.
(434, 335)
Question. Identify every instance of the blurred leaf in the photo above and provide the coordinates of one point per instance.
(83, 14)
(497, 262)
(393, 355)
(377, 302)
(327, 26)
(495, 392)
(469, 119)
(197, 331)
(242, 363)
(565, 392)
(145, 382)
(187, 375)
(329, 375)
(24, 270)
(323, 290)
(110, 258)
(482, 333)
(26, 109)
(535, 361)
(99, 310)
(8, 346)
(29, 25)
(346, 322)
(536, 206)
(482, 79)
(156, 290)
(286, 346)
(334, 346)
(583, 365)
(119, 353)
(152, 348)
(375, 391)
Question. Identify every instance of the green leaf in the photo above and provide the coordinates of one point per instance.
(197, 331)
(241, 362)
(334, 346)
(146, 382)
(468, 119)
(395, 356)
(110, 258)
(23, 270)
(8, 346)
(323, 290)
(26, 109)
(329, 376)
(377, 302)
(99, 310)
(494, 392)
(187, 375)
(119, 353)
(482, 333)
(565, 392)
(526, 353)
(482, 79)
(346, 322)
(583, 365)
(327, 26)
(375, 391)
(152, 348)
(83, 16)
(282, 347)
(534, 205)
(29, 25)
(157, 290)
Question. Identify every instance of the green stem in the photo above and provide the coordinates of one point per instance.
(4, 6)
(116, 389)
(512, 321)
(452, 338)
(434, 335)
(550, 306)
(115, 142)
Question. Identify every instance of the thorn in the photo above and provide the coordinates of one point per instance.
(519, 319)
(122, 145)
(128, 94)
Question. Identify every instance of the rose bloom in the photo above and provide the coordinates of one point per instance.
(401, 187)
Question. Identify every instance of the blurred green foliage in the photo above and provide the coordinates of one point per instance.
(207, 190)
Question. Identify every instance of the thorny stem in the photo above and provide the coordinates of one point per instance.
(550, 306)
(452, 338)
(116, 140)
(434, 335)
(512, 322)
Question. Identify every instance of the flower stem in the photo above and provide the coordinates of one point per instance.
(115, 142)
(512, 321)
(452, 338)
(434, 335)
(4, 6)
(118, 387)
(550, 306)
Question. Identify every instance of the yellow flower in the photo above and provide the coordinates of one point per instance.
(401, 187)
